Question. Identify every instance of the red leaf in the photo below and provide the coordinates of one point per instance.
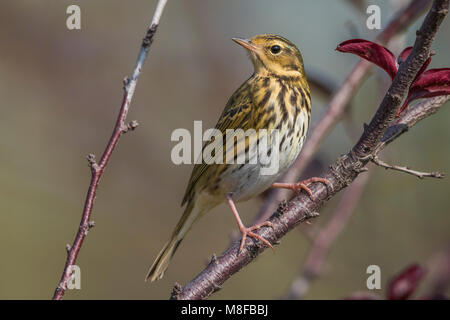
(431, 83)
(405, 283)
(372, 52)
(404, 55)
(432, 80)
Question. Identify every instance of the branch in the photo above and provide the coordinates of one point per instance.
(97, 168)
(337, 107)
(415, 114)
(340, 174)
(418, 174)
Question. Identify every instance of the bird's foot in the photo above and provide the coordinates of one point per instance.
(248, 232)
(303, 185)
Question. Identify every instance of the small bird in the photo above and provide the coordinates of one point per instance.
(275, 97)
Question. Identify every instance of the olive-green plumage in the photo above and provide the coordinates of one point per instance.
(276, 96)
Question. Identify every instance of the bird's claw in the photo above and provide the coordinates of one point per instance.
(303, 185)
(248, 232)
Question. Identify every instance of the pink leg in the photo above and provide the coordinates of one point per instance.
(248, 231)
(302, 185)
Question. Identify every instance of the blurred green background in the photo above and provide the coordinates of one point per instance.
(60, 93)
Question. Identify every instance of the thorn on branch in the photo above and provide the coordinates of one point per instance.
(68, 247)
(88, 227)
(418, 174)
(130, 126)
(216, 287)
(92, 162)
(126, 82)
(213, 260)
(148, 39)
(177, 288)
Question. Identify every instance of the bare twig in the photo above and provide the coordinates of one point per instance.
(97, 168)
(418, 174)
(340, 174)
(337, 106)
(415, 114)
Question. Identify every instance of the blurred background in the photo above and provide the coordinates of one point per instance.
(60, 93)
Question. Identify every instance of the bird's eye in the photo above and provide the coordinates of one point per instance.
(275, 49)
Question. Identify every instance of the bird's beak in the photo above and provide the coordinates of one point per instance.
(246, 44)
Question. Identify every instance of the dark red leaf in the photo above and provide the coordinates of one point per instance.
(431, 83)
(372, 52)
(432, 80)
(403, 107)
(404, 55)
(404, 284)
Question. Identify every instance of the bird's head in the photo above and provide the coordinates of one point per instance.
(274, 54)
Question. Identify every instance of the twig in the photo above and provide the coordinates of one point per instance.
(340, 174)
(337, 106)
(418, 174)
(97, 168)
(415, 114)
(325, 238)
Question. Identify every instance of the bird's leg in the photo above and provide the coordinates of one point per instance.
(303, 185)
(248, 231)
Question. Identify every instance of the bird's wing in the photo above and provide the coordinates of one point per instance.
(236, 115)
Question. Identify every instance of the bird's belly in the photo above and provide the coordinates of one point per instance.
(245, 181)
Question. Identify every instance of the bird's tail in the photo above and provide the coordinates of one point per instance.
(156, 272)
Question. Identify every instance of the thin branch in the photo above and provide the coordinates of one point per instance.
(340, 174)
(97, 168)
(320, 247)
(418, 174)
(336, 108)
(416, 113)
